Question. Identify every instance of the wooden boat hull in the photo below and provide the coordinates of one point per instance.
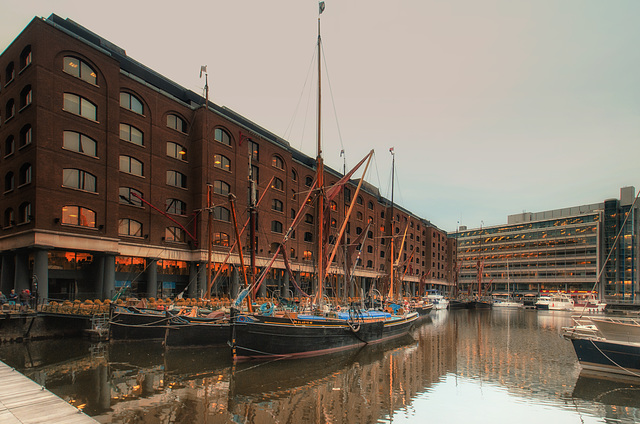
(189, 331)
(255, 336)
(127, 324)
(606, 356)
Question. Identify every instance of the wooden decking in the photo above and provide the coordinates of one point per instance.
(22, 401)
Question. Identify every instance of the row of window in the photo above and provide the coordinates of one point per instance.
(26, 98)
(25, 60)
(24, 177)
(26, 138)
(24, 215)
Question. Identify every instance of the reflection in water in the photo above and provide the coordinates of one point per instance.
(456, 365)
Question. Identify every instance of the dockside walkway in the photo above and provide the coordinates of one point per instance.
(22, 401)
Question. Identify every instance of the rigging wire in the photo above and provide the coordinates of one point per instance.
(335, 112)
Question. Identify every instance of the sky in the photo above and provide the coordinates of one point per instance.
(493, 107)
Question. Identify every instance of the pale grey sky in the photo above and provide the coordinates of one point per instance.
(493, 106)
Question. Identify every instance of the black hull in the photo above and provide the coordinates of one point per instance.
(479, 305)
(423, 310)
(130, 325)
(184, 331)
(458, 304)
(268, 337)
(610, 357)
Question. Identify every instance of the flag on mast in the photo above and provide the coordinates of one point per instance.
(203, 69)
(391, 150)
(321, 6)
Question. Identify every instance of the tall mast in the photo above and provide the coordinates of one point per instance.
(393, 165)
(320, 173)
(203, 69)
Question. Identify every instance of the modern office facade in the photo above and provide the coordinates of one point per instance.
(107, 168)
(584, 248)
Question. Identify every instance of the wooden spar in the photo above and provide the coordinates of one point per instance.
(209, 239)
(393, 165)
(346, 219)
(226, 259)
(320, 178)
(404, 237)
(232, 202)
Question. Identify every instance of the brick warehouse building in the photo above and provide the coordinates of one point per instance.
(106, 168)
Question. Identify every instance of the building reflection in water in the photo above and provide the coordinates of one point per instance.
(520, 352)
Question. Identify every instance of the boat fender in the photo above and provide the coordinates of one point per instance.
(267, 308)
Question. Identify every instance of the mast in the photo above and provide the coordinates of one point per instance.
(203, 69)
(393, 165)
(252, 221)
(320, 174)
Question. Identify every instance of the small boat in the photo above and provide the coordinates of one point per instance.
(555, 302)
(589, 304)
(507, 303)
(598, 354)
(423, 307)
(438, 300)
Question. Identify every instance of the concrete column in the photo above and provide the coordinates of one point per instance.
(192, 289)
(6, 276)
(41, 273)
(202, 279)
(152, 278)
(21, 273)
(109, 276)
(98, 263)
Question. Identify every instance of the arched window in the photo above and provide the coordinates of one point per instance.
(294, 175)
(334, 223)
(131, 165)
(369, 234)
(26, 135)
(26, 96)
(220, 187)
(293, 253)
(176, 206)
(129, 227)
(222, 162)
(176, 151)
(276, 227)
(131, 134)
(79, 179)
(130, 196)
(222, 136)
(25, 174)
(176, 179)
(277, 205)
(25, 57)
(369, 249)
(308, 218)
(174, 234)
(9, 146)
(177, 123)
(369, 264)
(222, 214)
(80, 106)
(131, 102)
(10, 73)
(359, 200)
(308, 237)
(9, 218)
(333, 205)
(80, 143)
(221, 239)
(370, 205)
(278, 184)
(277, 162)
(358, 230)
(80, 69)
(9, 181)
(359, 216)
(79, 216)
(10, 109)
(308, 181)
(307, 255)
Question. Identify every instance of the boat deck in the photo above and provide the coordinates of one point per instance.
(22, 401)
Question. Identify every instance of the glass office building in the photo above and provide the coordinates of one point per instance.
(584, 248)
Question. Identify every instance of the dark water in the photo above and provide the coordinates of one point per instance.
(457, 366)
